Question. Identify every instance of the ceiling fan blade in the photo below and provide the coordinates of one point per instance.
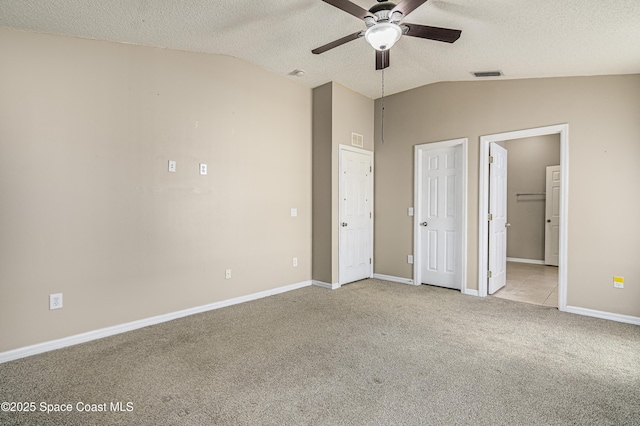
(349, 7)
(433, 33)
(407, 6)
(337, 43)
(382, 59)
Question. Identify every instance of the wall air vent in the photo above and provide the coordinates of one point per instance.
(357, 140)
(487, 74)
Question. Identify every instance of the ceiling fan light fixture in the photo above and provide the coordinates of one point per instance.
(383, 35)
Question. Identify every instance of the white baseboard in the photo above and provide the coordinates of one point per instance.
(604, 315)
(393, 279)
(134, 325)
(326, 285)
(471, 292)
(520, 260)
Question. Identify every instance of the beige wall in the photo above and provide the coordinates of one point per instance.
(322, 183)
(344, 112)
(87, 207)
(604, 151)
(528, 159)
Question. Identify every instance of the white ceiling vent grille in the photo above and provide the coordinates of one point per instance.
(357, 140)
(481, 74)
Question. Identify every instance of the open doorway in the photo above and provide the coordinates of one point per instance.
(527, 256)
(532, 220)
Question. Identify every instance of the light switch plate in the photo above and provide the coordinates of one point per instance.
(294, 212)
(410, 211)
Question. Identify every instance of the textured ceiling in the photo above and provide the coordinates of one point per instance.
(524, 39)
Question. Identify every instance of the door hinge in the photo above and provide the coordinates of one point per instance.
(489, 274)
(370, 168)
(370, 215)
(490, 159)
(490, 217)
(369, 261)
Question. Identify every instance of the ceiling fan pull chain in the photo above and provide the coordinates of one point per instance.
(382, 124)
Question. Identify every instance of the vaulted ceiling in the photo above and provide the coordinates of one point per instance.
(523, 39)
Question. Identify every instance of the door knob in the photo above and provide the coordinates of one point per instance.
(548, 220)
(424, 224)
(344, 224)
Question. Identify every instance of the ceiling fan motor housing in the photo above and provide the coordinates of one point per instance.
(381, 11)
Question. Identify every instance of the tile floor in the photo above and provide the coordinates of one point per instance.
(536, 284)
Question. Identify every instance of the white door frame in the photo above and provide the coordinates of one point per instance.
(342, 148)
(483, 224)
(417, 203)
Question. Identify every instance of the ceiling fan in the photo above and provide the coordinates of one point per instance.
(384, 27)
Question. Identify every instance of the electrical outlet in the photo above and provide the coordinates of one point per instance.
(295, 261)
(203, 169)
(172, 166)
(410, 259)
(227, 274)
(55, 301)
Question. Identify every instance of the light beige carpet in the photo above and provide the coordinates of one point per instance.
(370, 353)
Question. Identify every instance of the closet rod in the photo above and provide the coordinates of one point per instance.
(530, 193)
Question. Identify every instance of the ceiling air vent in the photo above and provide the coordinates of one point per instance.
(357, 140)
(487, 73)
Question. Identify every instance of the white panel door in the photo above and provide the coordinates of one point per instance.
(497, 217)
(440, 217)
(552, 213)
(356, 192)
